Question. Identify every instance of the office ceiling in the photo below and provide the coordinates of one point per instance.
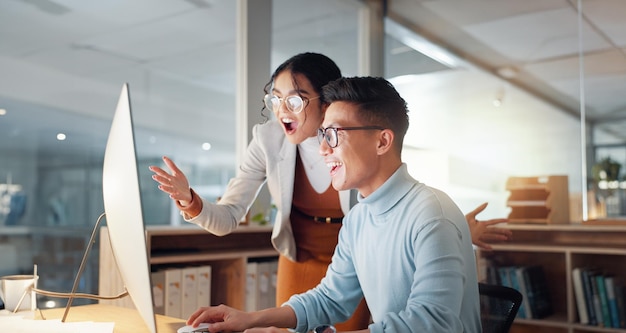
(69, 55)
(534, 44)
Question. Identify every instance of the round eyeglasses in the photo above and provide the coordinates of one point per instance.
(330, 133)
(294, 103)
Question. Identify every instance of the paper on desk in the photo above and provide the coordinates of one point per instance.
(18, 324)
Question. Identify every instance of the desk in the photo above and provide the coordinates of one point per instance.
(126, 320)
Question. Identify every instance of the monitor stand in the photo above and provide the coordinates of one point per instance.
(81, 269)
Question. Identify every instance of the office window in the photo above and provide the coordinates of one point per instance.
(67, 64)
(63, 67)
(469, 130)
(328, 27)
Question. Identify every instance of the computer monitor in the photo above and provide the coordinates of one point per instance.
(124, 215)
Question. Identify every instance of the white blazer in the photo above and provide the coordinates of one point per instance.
(269, 157)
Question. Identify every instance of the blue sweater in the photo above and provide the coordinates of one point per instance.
(406, 248)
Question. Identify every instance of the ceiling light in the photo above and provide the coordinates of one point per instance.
(422, 45)
(206, 146)
(3, 112)
(507, 72)
(400, 50)
(499, 98)
(61, 136)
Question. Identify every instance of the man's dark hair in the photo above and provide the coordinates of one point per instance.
(378, 102)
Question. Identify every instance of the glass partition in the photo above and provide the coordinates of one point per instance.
(513, 110)
(470, 131)
(67, 65)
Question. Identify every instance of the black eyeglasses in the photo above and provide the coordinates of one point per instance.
(330, 133)
(294, 103)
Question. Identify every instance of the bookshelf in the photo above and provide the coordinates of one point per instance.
(179, 246)
(558, 249)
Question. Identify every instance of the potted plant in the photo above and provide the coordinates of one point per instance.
(605, 176)
(606, 170)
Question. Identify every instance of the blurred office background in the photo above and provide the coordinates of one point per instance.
(474, 121)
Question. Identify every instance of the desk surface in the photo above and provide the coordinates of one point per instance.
(126, 320)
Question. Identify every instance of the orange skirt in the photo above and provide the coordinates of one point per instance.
(298, 277)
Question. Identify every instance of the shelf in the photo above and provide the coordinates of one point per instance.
(192, 229)
(194, 239)
(571, 236)
(559, 321)
(524, 203)
(558, 249)
(188, 245)
(200, 257)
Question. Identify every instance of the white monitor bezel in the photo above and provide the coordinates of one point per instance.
(124, 214)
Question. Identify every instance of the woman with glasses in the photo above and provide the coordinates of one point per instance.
(284, 152)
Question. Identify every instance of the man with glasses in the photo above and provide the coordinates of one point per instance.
(329, 134)
(405, 247)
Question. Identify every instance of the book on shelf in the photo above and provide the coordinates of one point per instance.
(179, 291)
(609, 284)
(261, 284)
(603, 297)
(519, 282)
(492, 275)
(264, 291)
(166, 292)
(538, 292)
(189, 291)
(595, 298)
(204, 286)
(579, 294)
(531, 282)
(266, 284)
(620, 296)
(158, 291)
(273, 282)
(586, 279)
(252, 269)
(604, 304)
(509, 279)
(503, 276)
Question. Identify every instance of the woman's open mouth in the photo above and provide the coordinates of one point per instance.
(290, 125)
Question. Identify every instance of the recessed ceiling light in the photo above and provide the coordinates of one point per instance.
(3, 112)
(508, 72)
(206, 146)
(61, 136)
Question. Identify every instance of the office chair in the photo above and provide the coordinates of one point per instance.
(498, 307)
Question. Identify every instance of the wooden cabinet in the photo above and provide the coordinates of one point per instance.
(559, 249)
(190, 245)
(542, 200)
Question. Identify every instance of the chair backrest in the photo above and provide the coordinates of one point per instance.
(498, 307)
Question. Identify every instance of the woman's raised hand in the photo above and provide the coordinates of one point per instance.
(174, 183)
